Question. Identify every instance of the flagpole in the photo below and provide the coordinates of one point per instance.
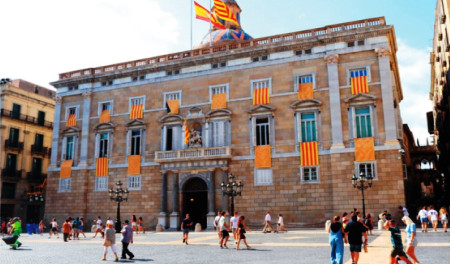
(191, 23)
(210, 26)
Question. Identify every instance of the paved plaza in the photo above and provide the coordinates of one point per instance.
(295, 246)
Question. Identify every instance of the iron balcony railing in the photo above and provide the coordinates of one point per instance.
(13, 145)
(25, 118)
(193, 153)
(11, 173)
(39, 150)
(36, 176)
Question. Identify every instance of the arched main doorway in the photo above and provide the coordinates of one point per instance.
(195, 201)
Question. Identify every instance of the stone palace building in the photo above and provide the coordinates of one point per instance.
(291, 116)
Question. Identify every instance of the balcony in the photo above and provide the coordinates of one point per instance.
(193, 154)
(40, 150)
(11, 174)
(25, 118)
(13, 145)
(36, 176)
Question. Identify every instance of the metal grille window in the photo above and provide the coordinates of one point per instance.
(308, 127)
(137, 101)
(101, 184)
(309, 174)
(103, 151)
(65, 185)
(173, 96)
(363, 122)
(263, 177)
(70, 148)
(135, 142)
(368, 169)
(219, 89)
(134, 182)
(260, 84)
(357, 73)
(262, 131)
(305, 79)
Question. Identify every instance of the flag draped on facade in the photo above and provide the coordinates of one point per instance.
(187, 134)
(137, 112)
(203, 14)
(309, 153)
(223, 12)
(102, 167)
(305, 90)
(105, 116)
(364, 149)
(219, 101)
(134, 165)
(172, 106)
(66, 169)
(261, 96)
(263, 157)
(359, 82)
(71, 120)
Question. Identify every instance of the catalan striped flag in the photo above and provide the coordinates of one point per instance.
(187, 134)
(203, 14)
(223, 12)
(173, 106)
(261, 96)
(364, 149)
(359, 82)
(105, 116)
(305, 88)
(71, 120)
(309, 153)
(102, 167)
(137, 112)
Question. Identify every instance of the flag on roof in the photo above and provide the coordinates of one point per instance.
(203, 14)
(223, 12)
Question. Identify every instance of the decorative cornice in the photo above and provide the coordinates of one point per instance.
(87, 95)
(332, 59)
(218, 113)
(135, 123)
(170, 118)
(359, 98)
(58, 99)
(257, 109)
(104, 126)
(383, 52)
(305, 103)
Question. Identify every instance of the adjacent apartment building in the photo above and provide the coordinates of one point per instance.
(26, 125)
(291, 116)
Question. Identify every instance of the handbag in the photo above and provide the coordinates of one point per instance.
(107, 243)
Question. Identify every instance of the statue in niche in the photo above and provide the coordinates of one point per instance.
(195, 140)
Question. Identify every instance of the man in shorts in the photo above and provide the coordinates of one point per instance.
(433, 217)
(216, 224)
(185, 225)
(234, 225)
(224, 228)
(396, 239)
(355, 230)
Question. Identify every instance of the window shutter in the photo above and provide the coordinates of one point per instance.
(64, 148)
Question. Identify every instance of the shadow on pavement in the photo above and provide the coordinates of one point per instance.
(135, 259)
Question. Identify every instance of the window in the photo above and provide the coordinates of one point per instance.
(218, 65)
(101, 184)
(103, 147)
(135, 142)
(14, 137)
(72, 111)
(260, 58)
(263, 177)
(172, 96)
(105, 105)
(218, 133)
(303, 79)
(218, 89)
(308, 51)
(262, 131)
(309, 174)
(107, 83)
(174, 72)
(172, 138)
(363, 122)
(136, 78)
(350, 44)
(73, 87)
(39, 140)
(361, 42)
(137, 101)
(368, 168)
(41, 118)
(11, 162)
(16, 111)
(8, 190)
(359, 72)
(65, 185)
(308, 127)
(70, 144)
(258, 84)
(134, 182)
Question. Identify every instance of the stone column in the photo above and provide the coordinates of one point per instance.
(387, 95)
(85, 128)
(175, 215)
(162, 218)
(335, 101)
(224, 197)
(211, 201)
(55, 136)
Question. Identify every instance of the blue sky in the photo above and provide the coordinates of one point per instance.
(43, 38)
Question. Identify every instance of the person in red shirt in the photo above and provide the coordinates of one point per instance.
(66, 229)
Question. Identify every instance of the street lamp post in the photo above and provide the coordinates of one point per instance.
(119, 195)
(359, 183)
(231, 188)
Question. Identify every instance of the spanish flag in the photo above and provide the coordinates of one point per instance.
(364, 149)
(187, 134)
(309, 154)
(137, 111)
(203, 14)
(102, 167)
(261, 96)
(172, 106)
(71, 120)
(359, 81)
(223, 12)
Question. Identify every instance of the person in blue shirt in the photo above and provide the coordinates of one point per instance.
(411, 241)
(396, 239)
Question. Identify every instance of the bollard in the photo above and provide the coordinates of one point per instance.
(159, 228)
(380, 225)
(198, 227)
(327, 225)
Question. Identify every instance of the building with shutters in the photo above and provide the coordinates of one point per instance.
(26, 125)
(292, 116)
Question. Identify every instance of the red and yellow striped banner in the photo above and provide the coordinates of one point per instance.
(359, 85)
(102, 167)
(71, 120)
(137, 111)
(134, 165)
(204, 14)
(261, 96)
(219, 101)
(223, 12)
(364, 149)
(66, 169)
(309, 153)
(305, 91)
(105, 116)
(263, 157)
(174, 106)
(187, 133)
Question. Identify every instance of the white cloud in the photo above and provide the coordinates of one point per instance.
(415, 78)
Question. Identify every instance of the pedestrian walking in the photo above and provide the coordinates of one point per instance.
(66, 229)
(224, 228)
(81, 228)
(54, 229)
(185, 225)
(280, 224)
(356, 231)
(337, 239)
(433, 217)
(411, 241)
(41, 227)
(241, 232)
(443, 215)
(396, 239)
(267, 223)
(127, 238)
(99, 227)
(234, 225)
(110, 241)
(344, 219)
(134, 224)
(16, 228)
(423, 216)
(141, 225)
(368, 222)
(216, 224)
(109, 220)
(76, 228)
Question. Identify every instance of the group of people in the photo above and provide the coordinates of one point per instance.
(72, 227)
(236, 225)
(268, 224)
(430, 215)
(136, 225)
(12, 230)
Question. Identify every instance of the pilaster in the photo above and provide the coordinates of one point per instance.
(55, 136)
(162, 218)
(211, 193)
(85, 128)
(175, 215)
